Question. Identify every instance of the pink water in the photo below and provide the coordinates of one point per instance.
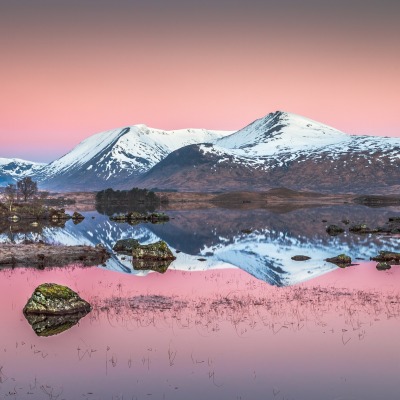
(218, 335)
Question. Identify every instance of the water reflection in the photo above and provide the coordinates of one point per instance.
(50, 325)
(261, 242)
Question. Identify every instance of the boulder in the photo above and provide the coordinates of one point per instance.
(126, 245)
(334, 230)
(53, 299)
(154, 251)
(50, 325)
(150, 265)
(341, 260)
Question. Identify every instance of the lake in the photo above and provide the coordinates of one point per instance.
(233, 317)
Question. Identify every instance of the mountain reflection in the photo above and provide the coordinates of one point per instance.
(259, 241)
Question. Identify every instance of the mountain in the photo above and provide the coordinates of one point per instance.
(282, 149)
(13, 169)
(114, 158)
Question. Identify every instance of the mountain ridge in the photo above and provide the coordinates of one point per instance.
(279, 149)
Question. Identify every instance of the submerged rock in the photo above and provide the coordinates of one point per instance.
(50, 325)
(53, 299)
(390, 257)
(300, 258)
(341, 260)
(154, 251)
(126, 245)
(334, 230)
(382, 266)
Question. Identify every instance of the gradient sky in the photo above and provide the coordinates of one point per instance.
(71, 68)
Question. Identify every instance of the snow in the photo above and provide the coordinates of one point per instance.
(136, 147)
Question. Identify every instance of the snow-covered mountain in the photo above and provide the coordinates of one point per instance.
(13, 169)
(280, 149)
(283, 149)
(113, 158)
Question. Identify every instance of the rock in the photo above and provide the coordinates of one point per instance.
(150, 265)
(154, 251)
(56, 215)
(202, 259)
(135, 217)
(126, 245)
(390, 257)
(118, 218)
(382, 266)
(362, 228)
(324, 220)
(341, 260)
(53, 299)
(158, 217)
(50, 325)
(77, 216)
(300, 258)
(334, 230)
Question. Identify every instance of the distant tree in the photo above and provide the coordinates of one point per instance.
(10, 195)
(27, 187)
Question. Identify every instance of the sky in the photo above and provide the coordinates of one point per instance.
(72, 68)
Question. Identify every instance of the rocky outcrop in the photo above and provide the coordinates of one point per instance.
(41, 255)
(53, 299)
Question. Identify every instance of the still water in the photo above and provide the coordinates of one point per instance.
(246, 323)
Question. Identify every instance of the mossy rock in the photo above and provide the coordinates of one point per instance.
(53, 299)
(383, 266)
(154, 251)
(126, 245)
(50, 325)
(341, 260)
(150, 265)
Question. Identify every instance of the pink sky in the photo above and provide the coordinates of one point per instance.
(70, 71)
